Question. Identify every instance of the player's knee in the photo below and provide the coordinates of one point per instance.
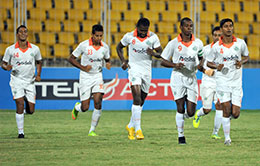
(190, 113)
(84, 108)
(235, 115)
(206, 111)
(98, 105)
(30, 112)
(137, 101)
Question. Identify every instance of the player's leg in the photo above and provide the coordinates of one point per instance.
(29, 98)
(20, 116)
(180, 119)
(217, 120)
(96, 112)
(226, 121)
(237, 95)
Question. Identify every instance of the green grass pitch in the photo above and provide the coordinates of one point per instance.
(53, 138)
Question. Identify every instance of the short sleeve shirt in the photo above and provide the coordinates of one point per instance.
(22, 60)
(139, 60)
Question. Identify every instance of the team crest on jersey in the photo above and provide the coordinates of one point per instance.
(32, 54)
(148, 43)
(133, 41)
(195, 48)
(133, 79)
(16, 55)
(236, 48)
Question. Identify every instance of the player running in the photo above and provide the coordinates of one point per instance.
(92, 52)
(21, 58)
(182, 54)
(141, 43)
(228, 55)
(208, 91)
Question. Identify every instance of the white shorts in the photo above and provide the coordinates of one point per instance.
(22, 88)
(182, 85)
(233, 94)
(144, 80)
(208, 95)
(88, 86)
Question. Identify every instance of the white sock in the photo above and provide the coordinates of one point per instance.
(137, 110)
(185, 115)
(217, 121)
(20, 123)
(180, 124)
(95, 118)
(200, 112)
(226, 127)
(78, 107)
(24, 111)
(131, 123)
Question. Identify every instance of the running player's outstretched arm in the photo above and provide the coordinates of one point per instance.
(39, 70)
(6, 66)
(5, 61)
(156, 54)
(119, 49)
(73, 60)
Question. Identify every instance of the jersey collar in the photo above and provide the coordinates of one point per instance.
(17, 45)
(139, 38)
(211, 45)
(91, 42)
(234, 39)
(187, 44)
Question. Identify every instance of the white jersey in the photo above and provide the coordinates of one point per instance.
(139, 60)
(91, 56)
(186, 53)
(22, 61)
(208, 81)
(227, 55)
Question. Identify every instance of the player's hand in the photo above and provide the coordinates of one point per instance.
(149, 51)
(87, 68)
(238, 64)
(108, 65)
(209, 72)
(125, 65)
(179, 65)
(9, 67)
(219, 67)
(38, 78)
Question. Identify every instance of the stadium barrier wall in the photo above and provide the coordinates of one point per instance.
(58, 90)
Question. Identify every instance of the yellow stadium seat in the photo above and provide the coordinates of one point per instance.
(254, 52)
(114, 26)
(57, 14)
(10, 25)
(176, 6)
(251, 6)
(81, 4)
(52, 25)
(37, 14)
(232, 6)
(127, 26)
(170, 16)
(113, 52)
(256, 28)
(117, 37)
(156, 5)
(46, 4)
(164, 38)
(213, 6)
(47, 38)
(94, 14)
(44, 50)
(137, 5)
(3, 46)
(165, 27)
(151, 15)
(223, 15)
(3, 13)
(185, 14)
(253, 40)
(29, 4)
(116, 15)
(71, 26)
(207, 16)
(96, 4)
(66, 38)
(62, 4)
(34, 25)
(118, 5)
(83, 36)
(241, 28)
(77, 14)
(87, 25)
(8, 37)
(1, 25)
(245, 17)
(31, 37)
(204, 39)
(205, 28)
(61, 51)
(131, 15)
(6, 4)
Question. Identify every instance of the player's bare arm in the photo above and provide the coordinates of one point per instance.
(39, 71)
(244, 60)
(73, 60)
(169, 64)
(212, 65)
(209, 72)
(108, 64)
(157, 53)
(119, 49)
(6, 66)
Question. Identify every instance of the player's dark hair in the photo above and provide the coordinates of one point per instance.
(185, 19)
(144, 22)
(97, 27)
(21, 26)
(223, 21)
(217, 28)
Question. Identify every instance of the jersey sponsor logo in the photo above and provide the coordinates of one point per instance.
(179, 48)
(133, 41)
(90, 51)
(231, 58)
(142, 51)
(23, 63)
(187, 59)
(95, 60)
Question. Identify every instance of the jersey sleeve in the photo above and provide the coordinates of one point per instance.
(125, 40)
(200, 52)
(107, 53)
(38, 55)
(7, 55)
(168, 51)
(211, 55)
(156, 43)
(244, 49)
(78, 51)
